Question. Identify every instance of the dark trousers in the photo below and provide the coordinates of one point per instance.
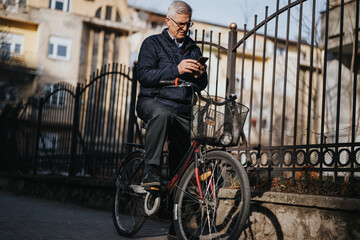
(162, 123)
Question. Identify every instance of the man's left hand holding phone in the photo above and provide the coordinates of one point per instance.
(195, 67)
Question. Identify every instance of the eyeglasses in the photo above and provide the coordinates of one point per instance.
(182, 25)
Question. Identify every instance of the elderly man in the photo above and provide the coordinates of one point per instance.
(169, 55)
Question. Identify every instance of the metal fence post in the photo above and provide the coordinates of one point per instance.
(75, 130)
(37, 139)
(132, 118)
(230, 73)
(231, 62)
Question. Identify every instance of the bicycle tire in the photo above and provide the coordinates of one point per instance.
(224, 212)
(128, 209)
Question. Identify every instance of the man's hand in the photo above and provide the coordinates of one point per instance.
(201, 71)
(191, 66)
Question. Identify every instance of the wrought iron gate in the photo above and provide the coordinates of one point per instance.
(82, 130)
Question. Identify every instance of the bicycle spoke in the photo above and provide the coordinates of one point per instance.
(202, 228)
(189, 195)
(221, 174)
(207, 187)
(208, 220)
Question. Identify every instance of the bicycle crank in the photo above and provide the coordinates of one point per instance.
(152, 203)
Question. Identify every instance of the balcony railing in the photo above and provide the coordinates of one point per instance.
(11, 57)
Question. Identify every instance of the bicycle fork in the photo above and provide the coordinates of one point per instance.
(197, 174)
(199, 178)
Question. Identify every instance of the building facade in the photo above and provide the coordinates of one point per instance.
(54, 41)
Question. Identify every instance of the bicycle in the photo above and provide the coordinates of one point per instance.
(211, 187)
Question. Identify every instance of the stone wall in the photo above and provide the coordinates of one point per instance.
(273, 215)
(296, 216)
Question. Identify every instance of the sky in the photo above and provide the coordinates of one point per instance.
(224, 12)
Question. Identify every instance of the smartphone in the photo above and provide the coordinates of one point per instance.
(202, 60)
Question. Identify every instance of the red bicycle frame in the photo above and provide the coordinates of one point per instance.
(193, 152)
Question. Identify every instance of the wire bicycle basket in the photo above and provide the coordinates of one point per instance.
(218, 125)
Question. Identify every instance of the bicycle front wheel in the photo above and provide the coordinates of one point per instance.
(128, 209)
(223, 210)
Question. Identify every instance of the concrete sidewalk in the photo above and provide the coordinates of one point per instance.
(31, 218)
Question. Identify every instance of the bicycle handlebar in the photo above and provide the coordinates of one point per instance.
(170, 82)
(183, 83)
(209, 100)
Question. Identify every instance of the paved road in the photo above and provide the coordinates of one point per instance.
(32, 218)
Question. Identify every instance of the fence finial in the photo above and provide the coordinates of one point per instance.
(233, 26)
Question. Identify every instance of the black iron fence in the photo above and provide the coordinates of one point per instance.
(302, 95)
(304, 112)
(80, 130)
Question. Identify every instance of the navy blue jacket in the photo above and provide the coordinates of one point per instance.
(158, 60)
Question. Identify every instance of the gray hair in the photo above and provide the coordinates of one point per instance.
(179, 7)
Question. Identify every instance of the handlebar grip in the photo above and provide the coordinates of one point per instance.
(166, 82)
(170, 82)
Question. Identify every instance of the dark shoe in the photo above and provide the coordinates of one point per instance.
(151, 177)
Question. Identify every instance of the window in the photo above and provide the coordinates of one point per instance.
(56, 98)
(106, 47)
(12, 45)
(82, 53)
(118, 18)
(117, 48)
(303, 55)
(281, 51)
(14, 3)
(10, 2)
(98, 13)
(8, 93)
(59, 48)
(22, 2)
(62, 5)
(48, 142)
(17, 48)
(5, 51)
(108, 13)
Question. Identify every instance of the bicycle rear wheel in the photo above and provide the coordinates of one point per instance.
(128, 209)
(224, 208)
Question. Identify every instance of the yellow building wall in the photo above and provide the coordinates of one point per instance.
(38, 3)
(86, 7)
(29, 31)
(63, 25)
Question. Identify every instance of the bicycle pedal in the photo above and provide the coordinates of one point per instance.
(205, 175)
(138, 189)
